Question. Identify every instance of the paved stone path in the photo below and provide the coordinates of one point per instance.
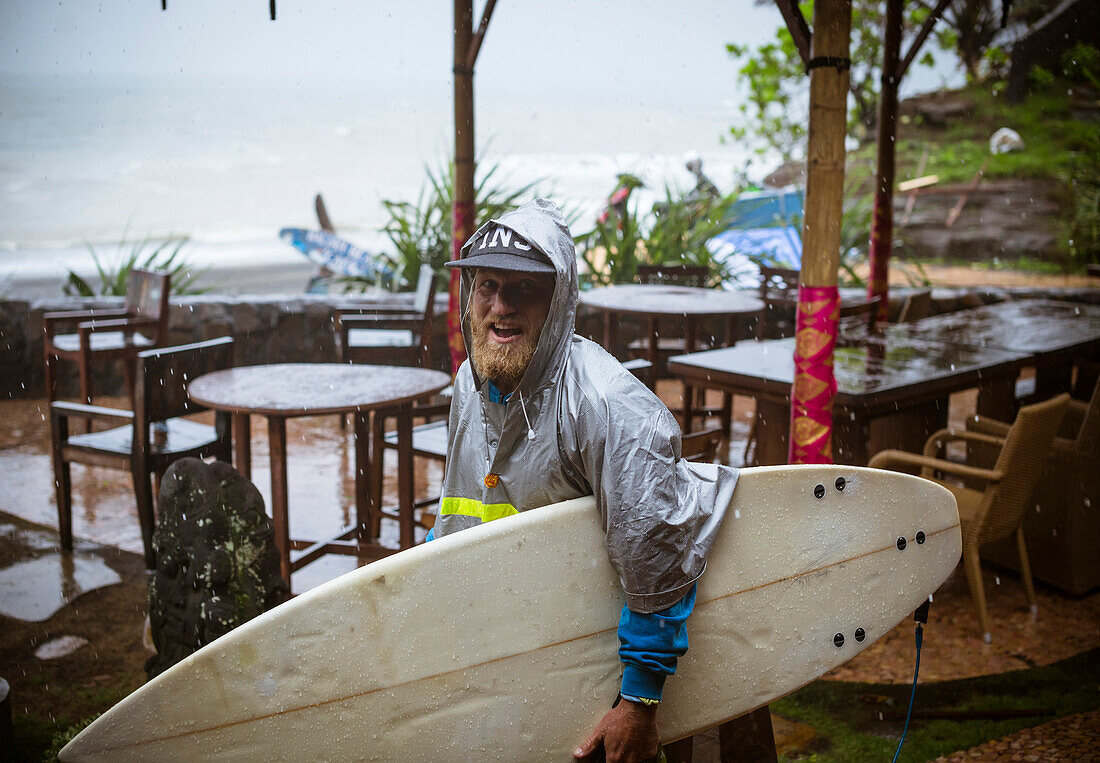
(1073, 738)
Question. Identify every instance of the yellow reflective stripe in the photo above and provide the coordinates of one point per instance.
(468, 507)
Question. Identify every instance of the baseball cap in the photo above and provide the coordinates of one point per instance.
(501, 248)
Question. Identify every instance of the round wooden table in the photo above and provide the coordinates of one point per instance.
(290, 390)
(663, 301)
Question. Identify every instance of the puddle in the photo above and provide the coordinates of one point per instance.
(34, 590)
(31, 539)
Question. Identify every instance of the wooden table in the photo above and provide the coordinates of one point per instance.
(893, 387)
(290, 390)
(1052, 333)
(661, 301)
(890, 392)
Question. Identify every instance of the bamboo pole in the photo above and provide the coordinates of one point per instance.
(882, 225)
(463, 210)
(814, 384)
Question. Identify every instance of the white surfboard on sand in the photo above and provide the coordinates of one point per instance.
(499, 642)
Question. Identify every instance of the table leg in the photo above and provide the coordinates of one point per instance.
(405, 475)
(773, 426)
(687, 415)
(276, 435)
(242, 444)
(851, 436)
(363, 506)
(609, 331)
(997, 398)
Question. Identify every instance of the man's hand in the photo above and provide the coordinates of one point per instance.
(628, 733)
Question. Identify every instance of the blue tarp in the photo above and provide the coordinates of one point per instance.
(762, 226)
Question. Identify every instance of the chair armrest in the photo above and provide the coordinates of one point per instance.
(51, 321)
(341, 313)
(983, 425)
(113, 324)
(889, 459)
(74, 315)
(64, 410)
(938, 439)
(380, 322)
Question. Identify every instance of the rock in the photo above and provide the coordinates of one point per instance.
(217, 565)
(59, 647)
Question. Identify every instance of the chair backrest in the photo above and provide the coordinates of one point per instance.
(702, 445)
(1022, 460)
(163, 375)
(860, 317)
(425, 288)
(147, 296)
(776, 286)
(774, 280)
(147, 293)
(916, 306)
(679, 275)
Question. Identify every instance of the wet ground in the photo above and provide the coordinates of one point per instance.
(321, 490)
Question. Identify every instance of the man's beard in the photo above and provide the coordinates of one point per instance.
(504, 364)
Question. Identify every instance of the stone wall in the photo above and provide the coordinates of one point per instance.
(267, 329)
(299, 328)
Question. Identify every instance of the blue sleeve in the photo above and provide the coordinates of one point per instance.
(650, 646)
(430, 535)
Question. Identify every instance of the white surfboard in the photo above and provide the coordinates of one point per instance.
(499, 642)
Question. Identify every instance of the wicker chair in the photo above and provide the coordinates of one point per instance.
(1063, 529)
(997, 511)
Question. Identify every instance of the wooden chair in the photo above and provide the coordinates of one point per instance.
(857, 321)
(996, 511)
(1063, 528)
(104, 335)
(697, 276)
(701, 446)
(916, 306)
(148, 439)
(779, 293)
(678, 275)
(674, 275)
(392, 336)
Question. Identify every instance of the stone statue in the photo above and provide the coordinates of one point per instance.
(217, 565)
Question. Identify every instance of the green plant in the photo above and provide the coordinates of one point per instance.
(610, 250)
(675, 232)
(114, 273)
(421, 230)
(1083, 239)
(776, 108)
(682, 227)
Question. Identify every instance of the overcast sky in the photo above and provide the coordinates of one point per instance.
(566, 48)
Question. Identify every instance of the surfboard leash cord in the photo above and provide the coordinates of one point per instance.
(921, 616)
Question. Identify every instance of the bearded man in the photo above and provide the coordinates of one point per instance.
(540, 415)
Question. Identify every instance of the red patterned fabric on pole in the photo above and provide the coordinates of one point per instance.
(463, 229)
(814, 382)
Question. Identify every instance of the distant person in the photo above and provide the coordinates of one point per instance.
(541, 415)
(704, 189)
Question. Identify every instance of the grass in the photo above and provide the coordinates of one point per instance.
(846, 716)
(1053, 140)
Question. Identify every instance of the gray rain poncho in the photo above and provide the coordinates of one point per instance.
(597, 430)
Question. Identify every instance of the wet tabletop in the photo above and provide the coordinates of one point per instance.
(297, 389)
(663, 299)
(876, 370)
(1026, 325)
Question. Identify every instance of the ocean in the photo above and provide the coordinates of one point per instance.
(91, 161)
